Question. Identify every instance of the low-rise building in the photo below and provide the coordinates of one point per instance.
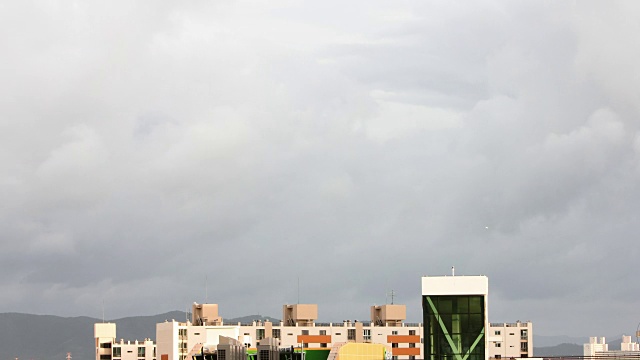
(107, 348)
(510, 340)
(598, 348)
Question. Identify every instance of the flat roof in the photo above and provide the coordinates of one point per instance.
(455, 285)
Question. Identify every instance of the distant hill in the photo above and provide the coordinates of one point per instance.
(550, 340)
(27, 336)
(566, 348)
(558, 350)
(37, 337)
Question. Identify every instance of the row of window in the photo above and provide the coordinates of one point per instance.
(523, 333)
(117, 351)
(523, 345)
(351, 333)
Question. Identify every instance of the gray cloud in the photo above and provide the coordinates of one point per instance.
(144, 147)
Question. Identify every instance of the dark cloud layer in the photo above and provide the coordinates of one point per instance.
(148, 146)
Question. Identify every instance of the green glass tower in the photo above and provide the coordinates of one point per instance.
(454, 311)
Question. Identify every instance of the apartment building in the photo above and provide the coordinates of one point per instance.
(598, 348)
(298, 329)
(107, 348)
(510, 340)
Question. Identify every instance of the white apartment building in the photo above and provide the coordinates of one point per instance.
(107, 348)
(598, 347)
(298, 329)
(510, 340)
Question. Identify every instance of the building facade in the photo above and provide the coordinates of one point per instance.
(107, 348)
(455, 317)
(510, 340)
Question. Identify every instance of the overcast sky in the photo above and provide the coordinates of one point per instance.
(357, 146)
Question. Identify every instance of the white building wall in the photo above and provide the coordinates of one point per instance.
(167, 340)
(337, 331)
(595, 345)
(175, 340)
(130, 350)
(505, 340)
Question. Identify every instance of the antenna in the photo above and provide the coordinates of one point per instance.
(453, 271)
(298, 289)
(103, 310)
(206, 289)
(392, 294)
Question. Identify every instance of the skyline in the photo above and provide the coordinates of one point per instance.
(148, 146)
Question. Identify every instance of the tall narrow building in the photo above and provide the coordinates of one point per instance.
(455, 317)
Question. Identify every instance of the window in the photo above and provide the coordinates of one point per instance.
(305, 332)
(259, 334)
(105, 345)
(511, 334)
(412, 332)
(524, 346)
(454, 319)
(498, 356)
(523, 334)
(264, 355)
(351, 334)
(412, 345)
(394, 358)
(117, 351)
(275, 333)
(105, 357)
(221, 354)
(141, 351)
(323, 345)
(394, 345)
(338, 333)
(182, 332)
(367, 334)
(497, 332)
(498, 345)
(412, 357)
(394, 332)
(323, 332)
(196, 333)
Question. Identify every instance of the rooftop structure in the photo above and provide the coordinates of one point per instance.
(388, 315)
(299, 314)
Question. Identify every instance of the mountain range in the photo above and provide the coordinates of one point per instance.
(28, 336)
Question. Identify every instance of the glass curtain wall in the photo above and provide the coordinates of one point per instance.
(454, 327)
